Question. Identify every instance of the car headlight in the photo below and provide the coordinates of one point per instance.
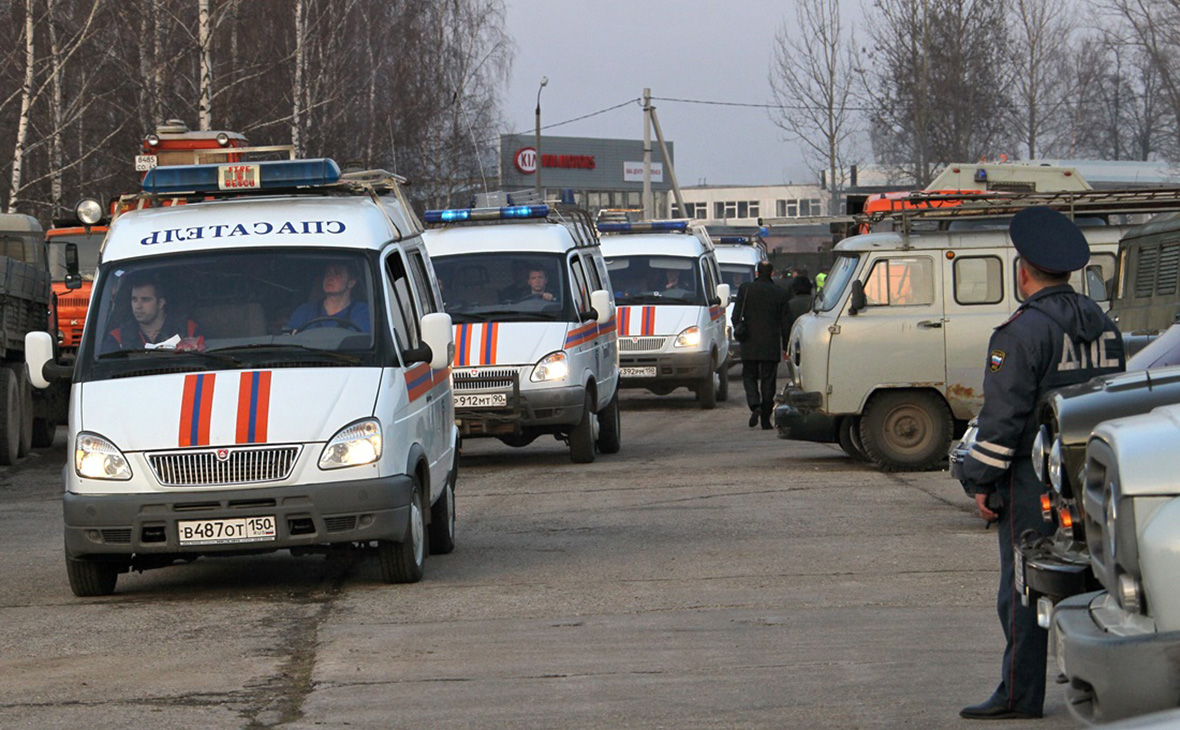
(554, 366)
(89, 211)
(97, 458)
(1038, 454)
(1110, 513)
(690, 337)
(1055, 465)
(355, 444)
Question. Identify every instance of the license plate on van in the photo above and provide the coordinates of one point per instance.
(481, 400)
(222, 532)
(638, 372)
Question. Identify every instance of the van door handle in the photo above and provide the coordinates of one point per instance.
(930, 324)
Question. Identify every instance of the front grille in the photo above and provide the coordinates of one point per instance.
(241, 466)
(483, 379)
(641, 344)
(340, 524)
(121, 536)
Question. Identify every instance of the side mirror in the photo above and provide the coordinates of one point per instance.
(723, 294)
(857, 301)
(438, 334)
(1096, 285)
(73, 276)
(39, 359)
(600, 301)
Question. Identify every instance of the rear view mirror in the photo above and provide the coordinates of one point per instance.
(857, 301)
(1096, 285)
(723, 294)
(73, 276)
(439, 337)
(602, 305)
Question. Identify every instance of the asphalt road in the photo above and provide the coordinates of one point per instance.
(707, 576)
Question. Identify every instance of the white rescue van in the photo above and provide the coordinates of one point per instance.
(671, 301)
(737, 259)
(535, 343)
(264, 366)
(890, 361)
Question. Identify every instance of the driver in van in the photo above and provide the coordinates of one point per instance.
(535, 287)
(150, 326)
(337, 308)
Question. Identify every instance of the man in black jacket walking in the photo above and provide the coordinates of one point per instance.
(762, 305)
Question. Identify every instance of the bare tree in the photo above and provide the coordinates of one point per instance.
(26, 103)
(1041, 28)
(811, 80)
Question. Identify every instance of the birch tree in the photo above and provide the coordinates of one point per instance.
(26, 103)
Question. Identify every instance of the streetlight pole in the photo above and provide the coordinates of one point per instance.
(537, 140)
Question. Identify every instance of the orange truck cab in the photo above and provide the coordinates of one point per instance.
(173, 143)
(74, 244)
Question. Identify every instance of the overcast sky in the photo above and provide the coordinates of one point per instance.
(602, 53)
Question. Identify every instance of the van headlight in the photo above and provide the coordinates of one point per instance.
(690, 337)
(1039, 455)
(554, 366)
(97, 458)
(354, 445)
(1056, 467)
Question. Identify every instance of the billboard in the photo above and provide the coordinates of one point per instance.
(581, 163)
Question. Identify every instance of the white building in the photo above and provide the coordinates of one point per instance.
(743, 205)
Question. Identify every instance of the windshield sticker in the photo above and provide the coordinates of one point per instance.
(258, 228)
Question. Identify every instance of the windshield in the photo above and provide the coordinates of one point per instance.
(250, 309)
(499, 286)
(736, 274)
(656, 280)
(836, 282)
(88, 245)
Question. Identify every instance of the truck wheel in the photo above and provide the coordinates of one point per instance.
(10, 417)
(43, 432)
(849, 435)
(906, 430)
(91, 577)
(707, 392)
(723, 385)
(582, 436)
(26, 413)
(610, 427)
(442, 517)
(403, 562)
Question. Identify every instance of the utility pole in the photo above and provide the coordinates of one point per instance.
(648, 214)
(537, 138)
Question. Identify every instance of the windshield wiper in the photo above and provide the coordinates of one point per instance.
(292, 349)
(201, 355)
(514, 315)
(653, 299)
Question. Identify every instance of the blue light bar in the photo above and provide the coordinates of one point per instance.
(507, 212)
(643, 227)
(733, 239)
(241, 176)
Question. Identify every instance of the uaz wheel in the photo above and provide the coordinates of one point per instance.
(906, 430)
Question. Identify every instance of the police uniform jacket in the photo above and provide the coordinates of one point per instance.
(763, 304)
(1056, 338)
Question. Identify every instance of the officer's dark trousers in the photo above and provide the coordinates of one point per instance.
(1022, 671)
(758, 377)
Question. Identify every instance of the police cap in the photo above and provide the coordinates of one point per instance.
(1048, 240)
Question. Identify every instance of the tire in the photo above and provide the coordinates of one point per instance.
(906, 430)
(442, 518)
(26, 410)
(849, 435)
(582, 435)
(43, 432)
(10, 417)
(91, 577)
(404, 562)
(723, 385)
(610, 427)
(707, 392)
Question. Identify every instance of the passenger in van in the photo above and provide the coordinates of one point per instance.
(149, 324)
(536, 287)
(338, 308)
(672, 281)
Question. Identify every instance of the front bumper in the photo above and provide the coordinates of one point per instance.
(1112, 676)
(672, 369)
(798, 418)
(305, 515)
(1053, 567)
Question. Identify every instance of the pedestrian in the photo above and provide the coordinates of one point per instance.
(820, 278)
(1056, 338)
(800, 301)
(762, 306)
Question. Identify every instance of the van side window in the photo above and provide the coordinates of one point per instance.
(900, 282)
(592, 273)
(421, 282)
(710, 279)
(581, 293)
(979, 280)
(401, 298)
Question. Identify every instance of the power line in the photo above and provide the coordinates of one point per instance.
(584, 116)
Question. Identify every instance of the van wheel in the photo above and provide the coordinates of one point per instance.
(10, 417)
(707, 392)
(403, 562)
(442, 517)
(91, 577)
(723, 385)
(906, 430)
(582, 435)
(849, 435)
(610, 427)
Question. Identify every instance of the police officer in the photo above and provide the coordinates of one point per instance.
(1056, 338)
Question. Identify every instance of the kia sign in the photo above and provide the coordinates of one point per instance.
(526, 160)
(633, 172)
